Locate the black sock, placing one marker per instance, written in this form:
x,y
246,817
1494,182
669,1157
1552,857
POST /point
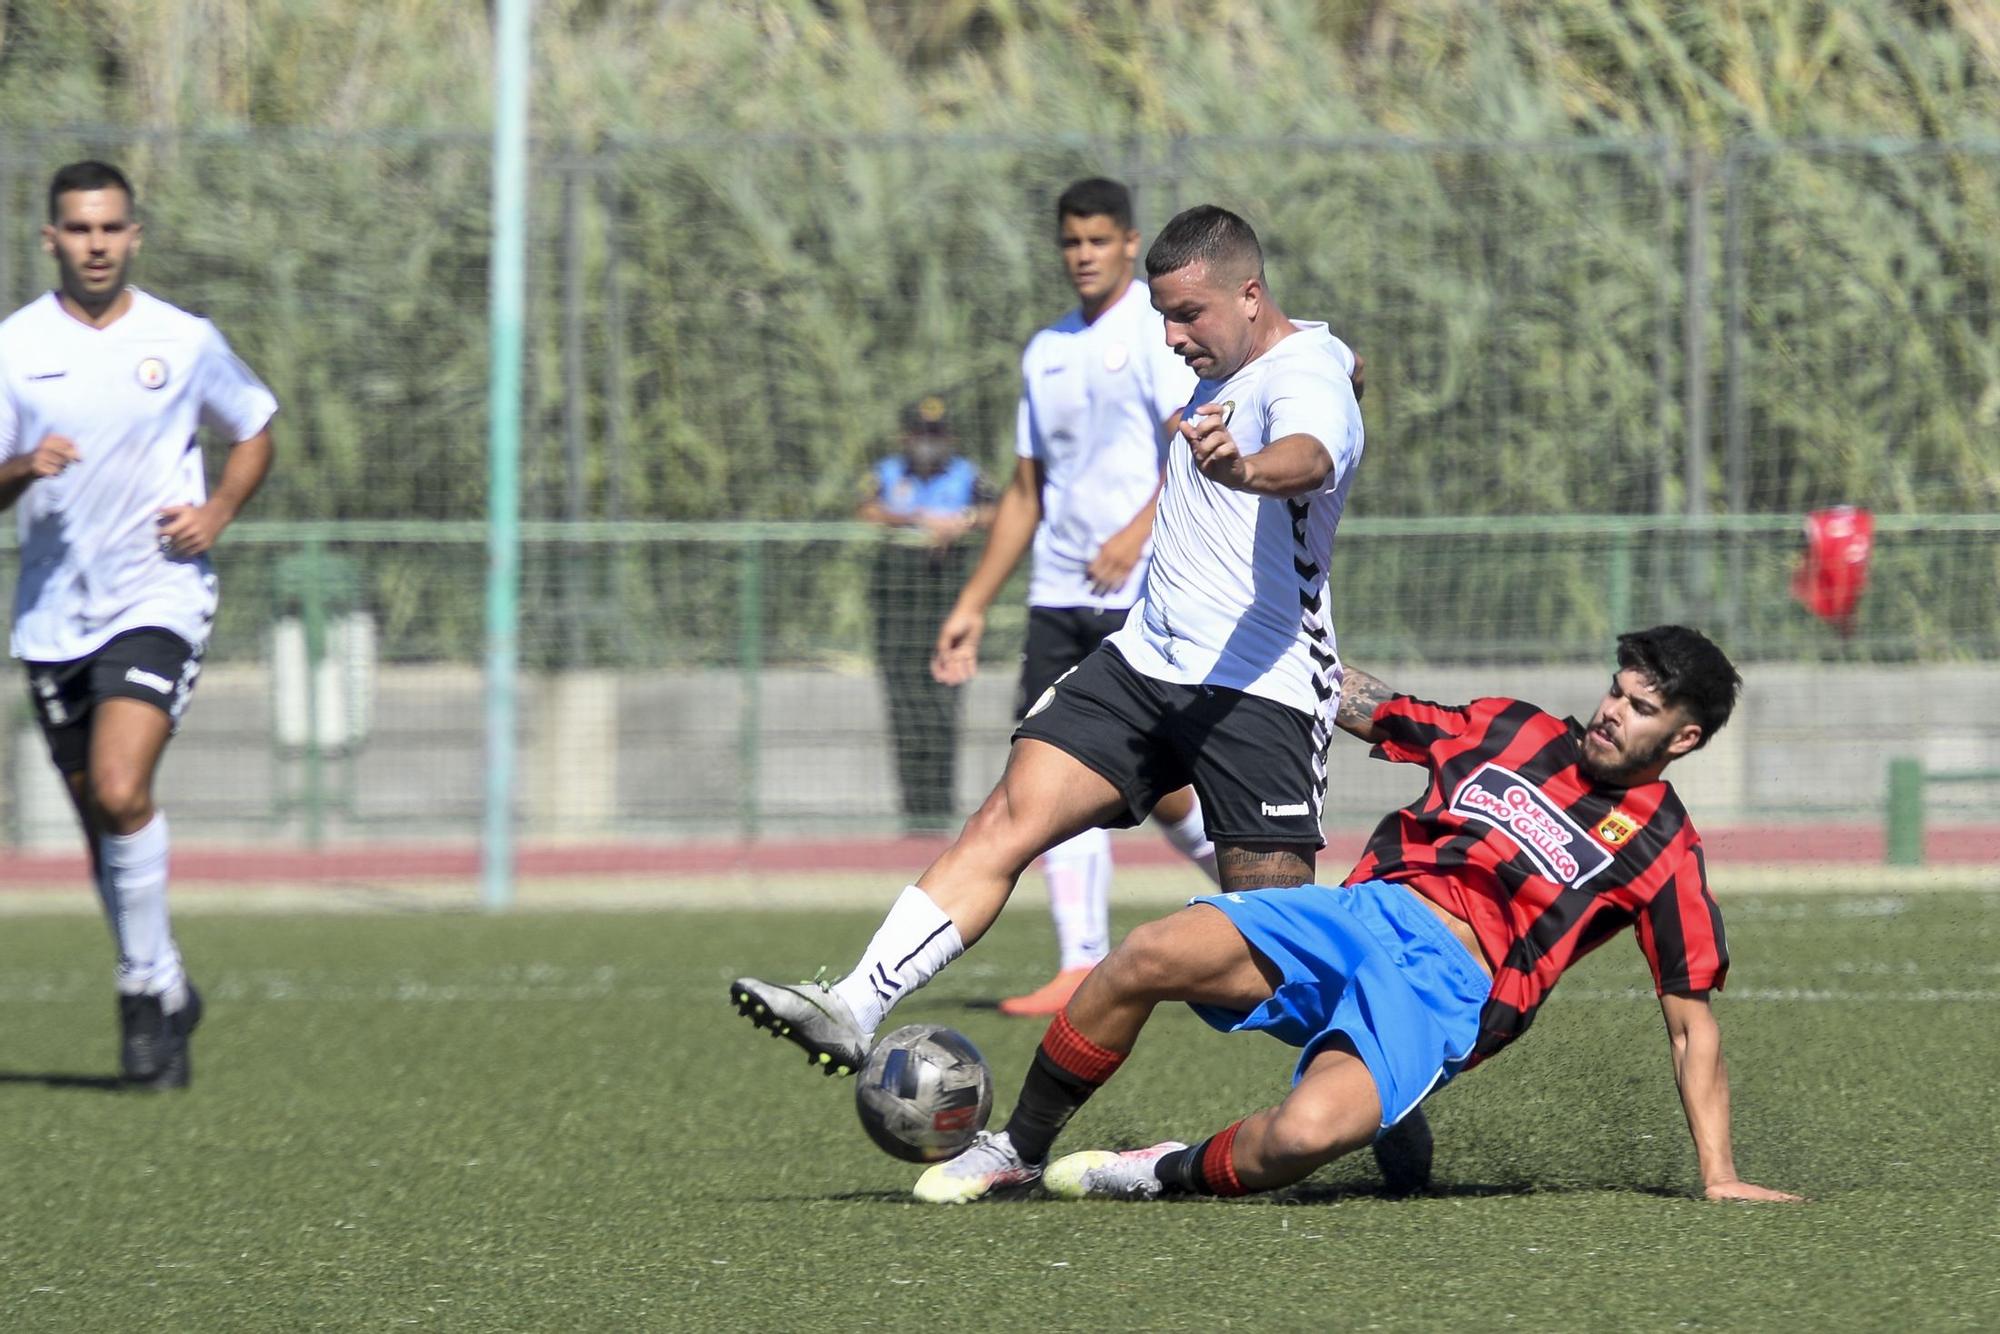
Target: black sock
x,y
1050,1095
1207,1168
1181,1169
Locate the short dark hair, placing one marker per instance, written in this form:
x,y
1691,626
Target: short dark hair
x,y
1096,197
1688,670
88,175
1206,234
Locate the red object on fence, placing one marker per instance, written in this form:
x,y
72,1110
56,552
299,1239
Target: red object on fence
x,y
1833,573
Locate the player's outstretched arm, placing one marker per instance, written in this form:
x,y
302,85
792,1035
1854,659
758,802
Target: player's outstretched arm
x,y
1360,695
955,658
1695,1040
189,530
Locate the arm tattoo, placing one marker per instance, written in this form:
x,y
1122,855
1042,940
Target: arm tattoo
x,y
1263,867
1360,695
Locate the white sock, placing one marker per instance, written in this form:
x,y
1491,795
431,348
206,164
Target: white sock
x,y
1189,835
134,888
1079,876
913,942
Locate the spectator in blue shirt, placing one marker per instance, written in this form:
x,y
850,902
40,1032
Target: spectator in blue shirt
x,y
928,487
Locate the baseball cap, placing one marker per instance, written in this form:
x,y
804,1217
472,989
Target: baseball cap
x,y
929,415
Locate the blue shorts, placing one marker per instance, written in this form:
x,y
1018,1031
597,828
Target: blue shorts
x,y
1371,962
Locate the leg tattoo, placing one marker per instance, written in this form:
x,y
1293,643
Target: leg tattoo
x,y
1263,866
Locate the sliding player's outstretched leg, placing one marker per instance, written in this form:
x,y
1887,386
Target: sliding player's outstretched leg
x,y
1193,955
1331,1111
1107,1174
1044,797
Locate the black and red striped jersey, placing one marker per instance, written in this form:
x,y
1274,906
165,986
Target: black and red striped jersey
x,y
1545,862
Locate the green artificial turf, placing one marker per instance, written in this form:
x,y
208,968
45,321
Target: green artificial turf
x,y
556,1122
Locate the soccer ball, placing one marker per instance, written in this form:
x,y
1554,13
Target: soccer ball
x,y
924,1092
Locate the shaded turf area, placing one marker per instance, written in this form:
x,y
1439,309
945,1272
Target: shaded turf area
x,y
556,1122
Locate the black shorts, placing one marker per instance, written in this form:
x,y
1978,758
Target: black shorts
x,y
1058,639
153,665
1251,760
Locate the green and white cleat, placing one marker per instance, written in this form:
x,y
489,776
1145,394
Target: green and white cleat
x,y
1099,1174
990,1164
810,1015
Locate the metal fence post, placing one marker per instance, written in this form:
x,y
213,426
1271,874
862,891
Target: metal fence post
x,y
1618,601
7,178
576,401
503,401
1694,332
1736,462
750,662
1663,332
1176,155
312,611
1904,840
622,569
1660,545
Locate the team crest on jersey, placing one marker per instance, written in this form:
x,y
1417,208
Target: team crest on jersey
x,y
152,373
1228,406
1115,357
1544,832
1616,829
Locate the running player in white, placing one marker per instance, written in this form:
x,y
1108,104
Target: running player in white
x,y
1224,675
102,390
1097,390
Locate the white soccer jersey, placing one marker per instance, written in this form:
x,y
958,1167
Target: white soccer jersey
x,y
131,397
1092,400
1237,593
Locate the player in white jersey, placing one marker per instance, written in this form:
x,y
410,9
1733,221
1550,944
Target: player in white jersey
x,y
1097,390
102,390
1231,673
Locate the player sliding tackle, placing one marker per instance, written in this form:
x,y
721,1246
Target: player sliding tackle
x,y
1536,840
1222,676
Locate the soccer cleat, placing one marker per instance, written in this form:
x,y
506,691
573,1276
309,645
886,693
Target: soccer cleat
x,y
1099,1174
810,1015
153,1045
1050,997
1404,1155
990,1164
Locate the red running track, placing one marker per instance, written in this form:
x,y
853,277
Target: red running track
x,y
1773,844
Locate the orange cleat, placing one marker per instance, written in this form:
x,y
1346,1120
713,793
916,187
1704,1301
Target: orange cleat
x,y
1050,997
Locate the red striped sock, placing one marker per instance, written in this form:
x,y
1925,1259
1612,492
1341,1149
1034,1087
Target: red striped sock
x,y
1076,1055
1067,1069
1218,1170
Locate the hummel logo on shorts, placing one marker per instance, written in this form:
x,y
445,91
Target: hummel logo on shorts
x,y
1295,808
141,677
